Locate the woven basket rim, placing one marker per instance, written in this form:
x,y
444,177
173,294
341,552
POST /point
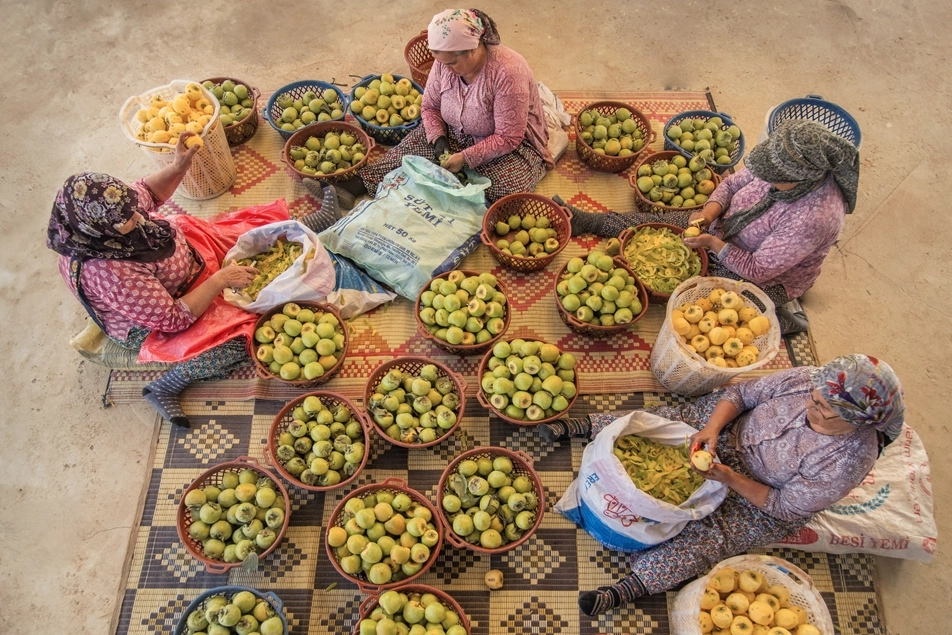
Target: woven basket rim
x,y
266,373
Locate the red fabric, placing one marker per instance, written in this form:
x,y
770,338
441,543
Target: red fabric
x,y
221,321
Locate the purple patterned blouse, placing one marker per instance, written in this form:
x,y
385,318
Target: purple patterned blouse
x,y
789,242
125,293
806,471
499,110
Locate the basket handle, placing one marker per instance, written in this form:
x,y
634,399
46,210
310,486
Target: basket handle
x,y
217,569
454,539
651,138
364,608
275,600
625,235
373,590
260,372
250,460
726,117
460,380
484,237
393,481
566,211
364,78
268,456
481,398
788,567
813,96
525,457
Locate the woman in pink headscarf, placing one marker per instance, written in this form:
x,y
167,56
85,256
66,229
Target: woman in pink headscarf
x,y
481,104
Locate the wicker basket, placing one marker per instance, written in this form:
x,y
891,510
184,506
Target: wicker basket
x,y
213,476
682,372
459,349
264,372
370,604
604,162
240,131
419,58
814,108
389,136
645,203
229,591
273,111
560,219
284,418
592,330
736,155
522,466
803,593
413,365
213,169
320,130
394,486
625,236
483,399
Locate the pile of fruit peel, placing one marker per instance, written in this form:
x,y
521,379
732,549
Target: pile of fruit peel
x,y
660,259
661,471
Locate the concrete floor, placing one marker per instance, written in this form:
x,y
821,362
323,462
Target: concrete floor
x,y
74,471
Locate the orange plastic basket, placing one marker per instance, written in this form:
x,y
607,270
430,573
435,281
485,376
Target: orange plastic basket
x,y
413,365
560,219
592,330
213,476
265,373
646,203
320,130
240,131
394,486
459,349
370,604
604,162
483,399
522,466
419,58
625,236
284,418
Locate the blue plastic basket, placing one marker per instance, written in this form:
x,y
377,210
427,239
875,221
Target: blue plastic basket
x,y
182,627
385,136
814,108
705,115
273,112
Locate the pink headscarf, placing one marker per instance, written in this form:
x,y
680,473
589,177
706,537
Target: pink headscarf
x,y
455,30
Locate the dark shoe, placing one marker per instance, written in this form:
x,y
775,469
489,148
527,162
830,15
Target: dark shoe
x,y
563,429
792,322
596,602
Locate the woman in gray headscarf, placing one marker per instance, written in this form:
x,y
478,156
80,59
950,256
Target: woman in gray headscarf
x,y
774,221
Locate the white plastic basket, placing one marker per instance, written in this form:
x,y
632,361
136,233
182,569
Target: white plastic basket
x,y
681,371
213,168
803,593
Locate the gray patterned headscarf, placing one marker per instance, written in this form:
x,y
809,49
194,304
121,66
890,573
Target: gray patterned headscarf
x,y
801,152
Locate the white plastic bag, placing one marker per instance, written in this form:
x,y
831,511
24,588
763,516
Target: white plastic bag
x,y
556,118
422,223
309,278
888,514
604,502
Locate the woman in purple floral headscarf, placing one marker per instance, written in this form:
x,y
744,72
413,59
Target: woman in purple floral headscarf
x,y
790,445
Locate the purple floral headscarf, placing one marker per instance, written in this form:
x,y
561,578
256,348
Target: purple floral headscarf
x,y
863,391
89,208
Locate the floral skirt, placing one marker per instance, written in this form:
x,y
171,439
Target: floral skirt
x,y
216,363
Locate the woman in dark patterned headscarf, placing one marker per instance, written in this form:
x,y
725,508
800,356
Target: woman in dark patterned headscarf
x,y
135,273
774,221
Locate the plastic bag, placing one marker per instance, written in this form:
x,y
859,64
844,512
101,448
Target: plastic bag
x,y
605,502
422,223
888,514
355,292
309,278
556,118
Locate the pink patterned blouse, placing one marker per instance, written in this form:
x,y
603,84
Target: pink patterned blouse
x,y
806,471
125,294
499,110
789,242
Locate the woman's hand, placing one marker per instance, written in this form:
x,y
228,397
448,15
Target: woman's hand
x,y
705,241
706,438
707,215
440,146
718,472
455,163
184,155
235,276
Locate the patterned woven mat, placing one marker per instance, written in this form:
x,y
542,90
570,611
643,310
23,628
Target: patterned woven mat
x,y
231,419
611,365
